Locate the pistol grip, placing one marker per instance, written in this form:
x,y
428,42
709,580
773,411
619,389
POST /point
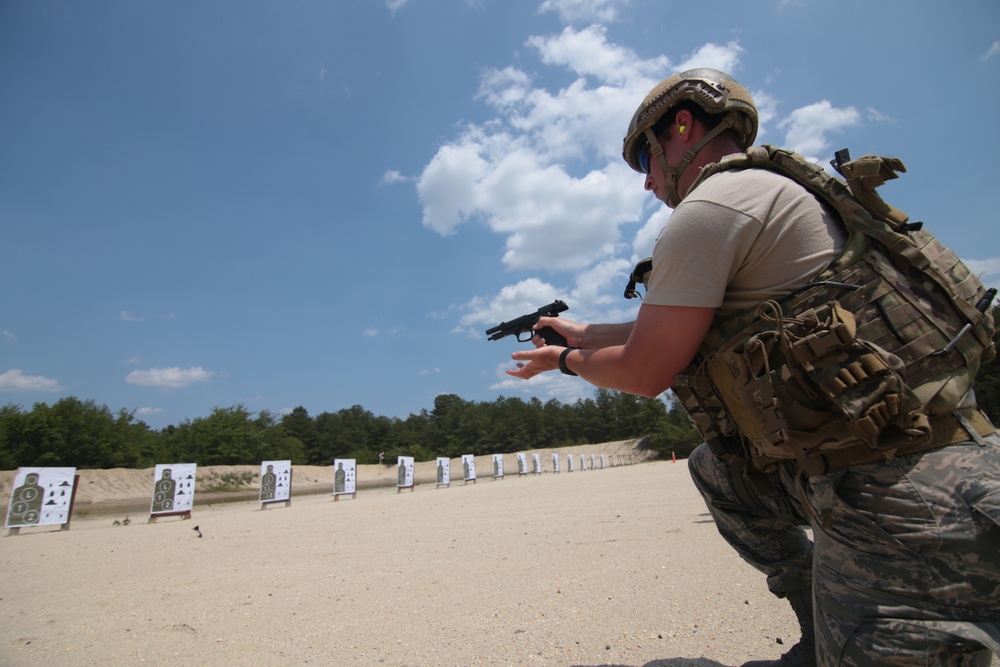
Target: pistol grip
x,y
551,336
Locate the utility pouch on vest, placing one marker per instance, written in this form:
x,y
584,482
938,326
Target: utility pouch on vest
x,y
803,384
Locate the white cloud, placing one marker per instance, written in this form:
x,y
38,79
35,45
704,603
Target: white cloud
x,y
393,176
645,239
504,88
447,185
807,127
145,412
716,56
169,378
564,388
16,380
514,172
517,173
587,52
988,271
555,221
767,111
371,332
592,286
395,5
584,10
984,267
991,52
877,116
8,335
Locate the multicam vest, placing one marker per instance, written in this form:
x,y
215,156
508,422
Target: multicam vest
x,y
874,358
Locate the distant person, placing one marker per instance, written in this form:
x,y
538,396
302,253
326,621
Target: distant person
x,y
831,383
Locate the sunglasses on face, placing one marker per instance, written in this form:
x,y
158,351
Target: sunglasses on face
x,y
644,157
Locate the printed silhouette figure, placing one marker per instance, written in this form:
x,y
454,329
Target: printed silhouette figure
x,y
340,479
268,484
26,507
163,492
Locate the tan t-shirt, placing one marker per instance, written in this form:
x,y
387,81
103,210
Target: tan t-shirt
x,y
739,238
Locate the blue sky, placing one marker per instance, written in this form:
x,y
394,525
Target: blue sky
x,y
324,204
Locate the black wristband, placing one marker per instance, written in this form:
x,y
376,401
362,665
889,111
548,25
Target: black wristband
x,y
562,361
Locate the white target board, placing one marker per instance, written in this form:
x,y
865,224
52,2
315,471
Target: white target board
x,y
592,459
404,472
583,463
536,464
443,471
275,481
555,463
468,467
604,462
344,476
497,465
173,488
522,464
40,497
569,463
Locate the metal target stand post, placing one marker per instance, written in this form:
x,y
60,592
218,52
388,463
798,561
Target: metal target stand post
x,y
184,514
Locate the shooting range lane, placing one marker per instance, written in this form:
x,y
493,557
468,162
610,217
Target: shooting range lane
x,y
618,566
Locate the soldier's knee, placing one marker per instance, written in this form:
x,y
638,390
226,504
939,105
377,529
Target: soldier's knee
x,y
706,470
699,458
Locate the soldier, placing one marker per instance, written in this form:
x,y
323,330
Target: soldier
x,y
755,283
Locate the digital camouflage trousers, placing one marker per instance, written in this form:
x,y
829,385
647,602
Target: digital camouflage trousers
x,y
904,560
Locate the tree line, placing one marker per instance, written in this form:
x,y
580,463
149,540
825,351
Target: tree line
x,y
83,434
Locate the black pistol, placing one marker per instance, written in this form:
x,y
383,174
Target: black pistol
x,y
524,323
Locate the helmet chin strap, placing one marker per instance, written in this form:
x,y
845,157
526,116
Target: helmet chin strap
x,y
672,175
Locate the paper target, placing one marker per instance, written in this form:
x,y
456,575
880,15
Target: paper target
x,y
40,497
173,488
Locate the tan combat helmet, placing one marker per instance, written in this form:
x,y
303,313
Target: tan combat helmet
x,y
714,91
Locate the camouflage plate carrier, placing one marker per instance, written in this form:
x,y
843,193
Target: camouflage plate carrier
x,y
874,359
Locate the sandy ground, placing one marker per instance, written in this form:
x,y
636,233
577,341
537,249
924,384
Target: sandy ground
x,y
614,567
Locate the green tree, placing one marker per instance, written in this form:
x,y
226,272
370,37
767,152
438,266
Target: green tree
x,y
673,433
299,425
12,423
229,436
83,434
345,431
449,417
73,433
589,422
559,424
